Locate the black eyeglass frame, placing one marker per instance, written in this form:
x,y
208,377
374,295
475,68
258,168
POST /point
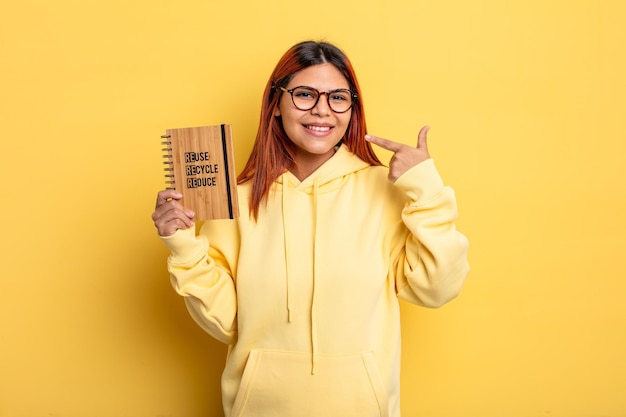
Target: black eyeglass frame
x,y
353,95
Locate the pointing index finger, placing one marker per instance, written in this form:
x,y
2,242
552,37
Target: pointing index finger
x,y
384,143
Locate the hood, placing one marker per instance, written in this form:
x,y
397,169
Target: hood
x,y
329,176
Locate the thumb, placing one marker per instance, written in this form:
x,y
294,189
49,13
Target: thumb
x,y
422,142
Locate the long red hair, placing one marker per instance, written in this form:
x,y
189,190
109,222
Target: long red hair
x,y
273,152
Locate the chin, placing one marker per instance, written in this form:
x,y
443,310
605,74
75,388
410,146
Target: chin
x,y
321,151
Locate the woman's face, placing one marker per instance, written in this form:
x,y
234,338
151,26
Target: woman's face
x,y
315,132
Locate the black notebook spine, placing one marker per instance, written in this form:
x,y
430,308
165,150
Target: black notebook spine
x,y
226,152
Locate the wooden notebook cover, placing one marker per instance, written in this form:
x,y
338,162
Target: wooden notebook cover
x,y
201,166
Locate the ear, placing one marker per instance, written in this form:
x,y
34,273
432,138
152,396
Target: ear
x,y
276,112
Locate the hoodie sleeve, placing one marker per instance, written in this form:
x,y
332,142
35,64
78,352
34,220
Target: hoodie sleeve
x,y
201,275
433,266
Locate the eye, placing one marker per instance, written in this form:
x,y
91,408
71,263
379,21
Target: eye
x,y
304,94
339,95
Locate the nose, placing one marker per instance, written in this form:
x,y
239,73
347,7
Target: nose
x,y
322,107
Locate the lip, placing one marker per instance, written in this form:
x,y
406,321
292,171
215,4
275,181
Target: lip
x,y
319,129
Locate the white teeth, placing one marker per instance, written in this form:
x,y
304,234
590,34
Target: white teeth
x,y
319,128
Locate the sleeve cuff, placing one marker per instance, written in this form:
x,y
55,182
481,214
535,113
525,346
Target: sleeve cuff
x,y
185,246
421,182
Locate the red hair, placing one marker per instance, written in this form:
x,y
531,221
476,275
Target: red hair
x,y
273,152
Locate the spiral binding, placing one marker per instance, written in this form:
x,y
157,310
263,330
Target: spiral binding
x,y
169,169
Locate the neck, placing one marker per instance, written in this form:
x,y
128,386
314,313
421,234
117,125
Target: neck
x,y
306,164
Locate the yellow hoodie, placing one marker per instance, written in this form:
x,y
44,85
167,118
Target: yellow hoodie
x,y
307,297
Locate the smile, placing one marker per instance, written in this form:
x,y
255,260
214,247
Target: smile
x,y
319,128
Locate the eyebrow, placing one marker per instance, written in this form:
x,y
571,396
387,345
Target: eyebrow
x,y
317,89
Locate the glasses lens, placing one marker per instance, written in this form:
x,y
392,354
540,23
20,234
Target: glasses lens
x,y
304,98
340,100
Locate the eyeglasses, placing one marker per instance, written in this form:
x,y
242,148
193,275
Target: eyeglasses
x,y
305,98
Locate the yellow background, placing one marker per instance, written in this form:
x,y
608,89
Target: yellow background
x,y
525,100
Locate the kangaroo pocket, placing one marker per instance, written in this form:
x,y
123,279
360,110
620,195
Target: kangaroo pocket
x,y
276,383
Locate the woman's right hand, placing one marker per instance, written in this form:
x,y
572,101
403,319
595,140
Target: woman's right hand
x,y
169,214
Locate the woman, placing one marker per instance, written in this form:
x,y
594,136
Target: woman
x,y
304,286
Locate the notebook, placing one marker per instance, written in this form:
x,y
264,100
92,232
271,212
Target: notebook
x,y
199,163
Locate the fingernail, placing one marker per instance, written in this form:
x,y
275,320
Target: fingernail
x,y
367,137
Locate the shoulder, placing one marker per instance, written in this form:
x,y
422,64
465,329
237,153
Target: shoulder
x,y
376,175
374,181
243,191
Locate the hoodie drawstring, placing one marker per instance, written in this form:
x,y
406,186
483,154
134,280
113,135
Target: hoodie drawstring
x,y
314,350
288,269
287,246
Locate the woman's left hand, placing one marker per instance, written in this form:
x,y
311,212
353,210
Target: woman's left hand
x,y
404,156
